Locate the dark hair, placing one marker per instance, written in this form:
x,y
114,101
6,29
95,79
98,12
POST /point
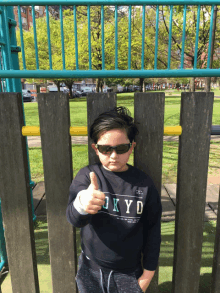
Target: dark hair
x,y
117,118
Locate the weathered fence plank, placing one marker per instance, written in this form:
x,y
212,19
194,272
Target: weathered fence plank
x,y
97,103
16,197
196,119
215,287
57,160
149,112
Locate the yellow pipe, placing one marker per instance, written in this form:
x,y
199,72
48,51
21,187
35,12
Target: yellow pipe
x,y
82,131
78,131
31,131
172,130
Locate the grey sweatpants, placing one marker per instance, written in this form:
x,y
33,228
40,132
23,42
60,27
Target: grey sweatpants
x,y
90,280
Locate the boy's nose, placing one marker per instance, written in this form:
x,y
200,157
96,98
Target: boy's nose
x,y
113,154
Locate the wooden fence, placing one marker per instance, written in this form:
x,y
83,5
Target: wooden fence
x,y
54,115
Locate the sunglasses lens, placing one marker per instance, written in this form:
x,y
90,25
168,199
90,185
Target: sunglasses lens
x,y
122,149
104,149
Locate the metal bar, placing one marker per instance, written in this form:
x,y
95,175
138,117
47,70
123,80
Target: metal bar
x,y
48,37
215,130
89,38
8,47
62,37
21,36
3,253
129,39
2,42
156,38
210,37
7,38
14,48
116,37
103,38
109,73
82,130
35,37
143,36
109,2
75,32
170,36
183,37
197,37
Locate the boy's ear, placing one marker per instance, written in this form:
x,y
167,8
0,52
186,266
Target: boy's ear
x,y
133,145
95,149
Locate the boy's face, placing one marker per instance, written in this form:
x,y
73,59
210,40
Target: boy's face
x,y
114,162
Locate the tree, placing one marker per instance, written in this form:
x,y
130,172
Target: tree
x,y
191,23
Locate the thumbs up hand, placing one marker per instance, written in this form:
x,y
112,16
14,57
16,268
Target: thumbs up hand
x,y
95,199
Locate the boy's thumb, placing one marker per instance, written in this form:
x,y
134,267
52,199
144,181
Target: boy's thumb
x,y
94,181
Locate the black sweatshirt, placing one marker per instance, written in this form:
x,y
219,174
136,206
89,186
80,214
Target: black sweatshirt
x,y
126,226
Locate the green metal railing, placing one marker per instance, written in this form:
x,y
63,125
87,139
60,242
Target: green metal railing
x,y
8,70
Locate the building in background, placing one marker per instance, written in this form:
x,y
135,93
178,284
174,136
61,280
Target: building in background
x,y
26,15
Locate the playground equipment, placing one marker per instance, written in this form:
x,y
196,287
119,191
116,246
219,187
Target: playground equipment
x,y
195,130
196,115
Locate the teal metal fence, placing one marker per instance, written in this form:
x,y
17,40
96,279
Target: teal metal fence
x,y
204,8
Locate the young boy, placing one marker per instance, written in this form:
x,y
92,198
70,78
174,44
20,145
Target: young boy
x,y
118,210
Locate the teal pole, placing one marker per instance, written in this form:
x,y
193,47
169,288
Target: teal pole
x,y
197,37
3,253
17,84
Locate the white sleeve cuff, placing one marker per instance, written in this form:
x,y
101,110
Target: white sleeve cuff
x,y
78,205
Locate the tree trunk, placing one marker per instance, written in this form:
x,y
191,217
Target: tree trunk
x,y
70,91
38,88
207,84
141,84
144,89
97,84
101,85
192,84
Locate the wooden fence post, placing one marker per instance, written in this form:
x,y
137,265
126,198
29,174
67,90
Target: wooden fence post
x,y
97,103
16,197
215,287
195,119
149,112
57,160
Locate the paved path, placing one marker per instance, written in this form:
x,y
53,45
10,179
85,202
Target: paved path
x,y
35,141
168,197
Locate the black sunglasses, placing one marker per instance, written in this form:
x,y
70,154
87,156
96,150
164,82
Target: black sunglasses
x,y
107,149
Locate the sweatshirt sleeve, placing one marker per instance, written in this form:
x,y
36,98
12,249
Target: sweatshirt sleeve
x,y
152,230
80,182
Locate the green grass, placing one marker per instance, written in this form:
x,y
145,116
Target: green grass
x,y
79,160
166,258
78,110
170,159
